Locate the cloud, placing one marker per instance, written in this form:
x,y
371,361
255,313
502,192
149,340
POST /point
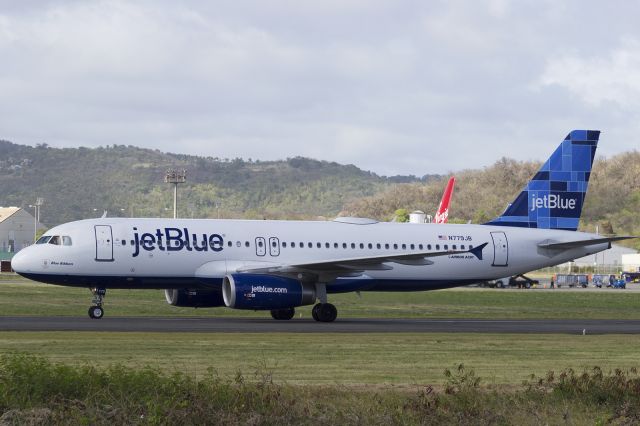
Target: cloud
x,y
613,79
409,87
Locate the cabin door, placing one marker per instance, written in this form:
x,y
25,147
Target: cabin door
x,y
104,243
500,249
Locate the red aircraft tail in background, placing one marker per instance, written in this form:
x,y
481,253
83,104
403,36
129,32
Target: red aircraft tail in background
x,y
443,209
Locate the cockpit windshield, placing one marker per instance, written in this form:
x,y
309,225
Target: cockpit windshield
x,y
44,239
56,240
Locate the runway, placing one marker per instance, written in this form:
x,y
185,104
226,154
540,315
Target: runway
x,y
347,325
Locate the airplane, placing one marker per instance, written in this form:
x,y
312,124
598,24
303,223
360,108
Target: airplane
x,y
278,266
442,215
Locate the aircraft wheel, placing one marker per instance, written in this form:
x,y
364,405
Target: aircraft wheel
x,y
314,311
96,312
325,312
283,314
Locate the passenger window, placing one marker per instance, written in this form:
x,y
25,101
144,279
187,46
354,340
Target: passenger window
x,y
55,240
284,244
318,245
386,246
335,245
413,247
344,245
462,247
361,245
378,246
437,246
404,247
420,246
246,244
428,246
395,247
230,244
310,245
293,245
44,239
353,245
124,242
370,245
238,244
453,247
446,247
326,245
66,241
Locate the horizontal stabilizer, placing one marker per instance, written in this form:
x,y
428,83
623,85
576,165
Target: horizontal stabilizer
x,y
580,243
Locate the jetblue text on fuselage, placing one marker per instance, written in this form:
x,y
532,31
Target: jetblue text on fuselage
x,y
175,239
552,201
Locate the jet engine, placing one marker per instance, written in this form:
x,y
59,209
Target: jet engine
x,y
194,298
264,292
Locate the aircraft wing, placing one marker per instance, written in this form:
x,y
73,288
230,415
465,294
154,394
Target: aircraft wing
x,y
358,265
547,244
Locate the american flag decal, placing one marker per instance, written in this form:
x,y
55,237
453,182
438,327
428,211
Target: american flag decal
x,y
442,237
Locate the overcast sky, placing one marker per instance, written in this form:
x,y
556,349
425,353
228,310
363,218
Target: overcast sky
x,y
396,87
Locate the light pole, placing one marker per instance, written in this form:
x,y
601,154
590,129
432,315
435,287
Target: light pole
x,y
36,216
175,177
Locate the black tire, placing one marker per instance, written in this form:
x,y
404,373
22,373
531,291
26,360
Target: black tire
x,y
314,311
327,312
283,314
96,312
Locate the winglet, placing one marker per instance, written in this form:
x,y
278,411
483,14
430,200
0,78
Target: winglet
x,y
477,251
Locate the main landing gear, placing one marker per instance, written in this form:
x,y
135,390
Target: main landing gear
x,y
283,314
96,311
324,312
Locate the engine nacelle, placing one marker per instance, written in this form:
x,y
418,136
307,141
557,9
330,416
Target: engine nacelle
x,y
194,298
262,292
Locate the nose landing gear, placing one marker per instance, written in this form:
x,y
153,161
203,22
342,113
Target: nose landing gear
x,y
96,311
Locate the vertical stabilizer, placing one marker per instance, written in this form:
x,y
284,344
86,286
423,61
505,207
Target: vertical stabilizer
x,y
553,199
442,215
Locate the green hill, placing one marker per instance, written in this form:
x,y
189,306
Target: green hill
x,y
612,204
124,180
128,181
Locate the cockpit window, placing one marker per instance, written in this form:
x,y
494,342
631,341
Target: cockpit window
x,y
55,240
66,240
44,239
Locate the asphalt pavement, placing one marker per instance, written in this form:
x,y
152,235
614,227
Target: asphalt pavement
x,y
346,325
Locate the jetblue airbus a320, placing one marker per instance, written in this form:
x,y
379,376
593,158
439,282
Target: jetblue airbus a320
x,y
280,265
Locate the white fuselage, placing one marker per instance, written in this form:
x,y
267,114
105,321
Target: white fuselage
x,y
155,253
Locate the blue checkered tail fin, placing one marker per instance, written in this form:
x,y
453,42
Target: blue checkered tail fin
x,y
553,198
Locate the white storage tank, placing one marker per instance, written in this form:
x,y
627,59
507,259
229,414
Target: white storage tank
x,y
417,216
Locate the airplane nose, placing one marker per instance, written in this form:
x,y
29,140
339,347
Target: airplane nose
x,y
19,261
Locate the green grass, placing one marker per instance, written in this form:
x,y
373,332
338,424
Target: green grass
x,y
36,391
390,359
23,297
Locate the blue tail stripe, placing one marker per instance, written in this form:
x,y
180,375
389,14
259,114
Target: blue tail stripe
x,y
554,197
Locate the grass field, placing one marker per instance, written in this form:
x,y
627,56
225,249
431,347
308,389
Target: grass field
x,y
381,359
392,359
22,297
